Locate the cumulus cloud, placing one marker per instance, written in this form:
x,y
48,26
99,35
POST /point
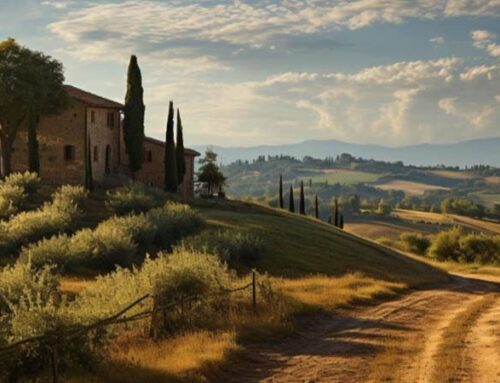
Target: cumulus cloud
x,y
486,40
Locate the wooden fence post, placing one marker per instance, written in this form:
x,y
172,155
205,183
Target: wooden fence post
x,y
254,292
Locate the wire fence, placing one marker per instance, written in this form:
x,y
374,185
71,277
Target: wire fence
x,y
53,338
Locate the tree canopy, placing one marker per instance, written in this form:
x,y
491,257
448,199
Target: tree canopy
x,y
209,172
170,154
31,84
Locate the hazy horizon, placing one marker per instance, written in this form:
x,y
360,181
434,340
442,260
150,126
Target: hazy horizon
x,y
248,73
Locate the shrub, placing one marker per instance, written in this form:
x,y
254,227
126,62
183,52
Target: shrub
x,y
173,276
11,198
134,198
445,245
28,309
415,243
23,278
172,222
480,248
29,182
230,246
51,219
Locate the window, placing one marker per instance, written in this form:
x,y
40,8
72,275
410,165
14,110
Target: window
x,y
92,116
96,154
69,152
148,156
111,119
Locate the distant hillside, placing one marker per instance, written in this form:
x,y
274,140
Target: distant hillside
x,y
474,152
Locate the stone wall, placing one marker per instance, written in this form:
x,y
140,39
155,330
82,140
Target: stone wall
x,y
55,132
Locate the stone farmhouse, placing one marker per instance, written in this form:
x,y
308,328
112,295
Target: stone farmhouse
x,y
63,145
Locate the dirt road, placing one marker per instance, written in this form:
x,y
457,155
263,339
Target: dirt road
x,y
446,334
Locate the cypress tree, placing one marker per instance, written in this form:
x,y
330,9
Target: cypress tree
x,y
89,182
302,204
341,225
336,220
179,150
281,192
316,207
170,155
291,202
133,117
330,219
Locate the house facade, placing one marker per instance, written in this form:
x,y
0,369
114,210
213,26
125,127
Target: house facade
x,y
63,145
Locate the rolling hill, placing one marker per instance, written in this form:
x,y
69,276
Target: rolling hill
x,y
474,152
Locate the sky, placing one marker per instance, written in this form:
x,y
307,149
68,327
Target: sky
x,y
274,72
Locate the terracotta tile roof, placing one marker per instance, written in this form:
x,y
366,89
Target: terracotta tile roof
x,y
155,141
91,99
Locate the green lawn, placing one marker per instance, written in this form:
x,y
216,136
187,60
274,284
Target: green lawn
x,y
342,176
299,246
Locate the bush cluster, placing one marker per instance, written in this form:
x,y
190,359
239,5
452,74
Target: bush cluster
x,y
415,243
230,246
116,241
134,198
28,308
456,245
52,218
14,190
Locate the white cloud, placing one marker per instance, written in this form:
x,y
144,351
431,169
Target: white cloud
x,y
56,4
485,40
98,30
437,40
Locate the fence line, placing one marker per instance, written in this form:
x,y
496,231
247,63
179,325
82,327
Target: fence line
x,y
51,337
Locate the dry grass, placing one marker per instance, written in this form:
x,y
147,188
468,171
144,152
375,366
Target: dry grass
x,y
457,175
411,188
327,293
488,227
73,285
376,229
494,180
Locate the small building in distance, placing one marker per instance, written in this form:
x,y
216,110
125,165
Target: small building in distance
x,y
63,144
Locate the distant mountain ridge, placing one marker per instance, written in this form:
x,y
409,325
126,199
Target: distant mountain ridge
x,y
484,151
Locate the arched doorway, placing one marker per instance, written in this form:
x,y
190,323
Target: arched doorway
x,y
107,163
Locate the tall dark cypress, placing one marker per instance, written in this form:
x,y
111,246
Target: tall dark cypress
x,y
336,220
170,155
302,204
133,117
179,150
316,207
291,202
281,192
341,224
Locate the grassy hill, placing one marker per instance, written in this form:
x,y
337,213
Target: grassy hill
x,y
298,246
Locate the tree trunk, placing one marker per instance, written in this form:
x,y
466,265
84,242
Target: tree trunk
x,y
33,157
6,151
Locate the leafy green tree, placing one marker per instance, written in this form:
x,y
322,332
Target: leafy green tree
x,y
354,203
281,192
302,202
291,202
209,173
31,84
179,150
171,182
133,117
